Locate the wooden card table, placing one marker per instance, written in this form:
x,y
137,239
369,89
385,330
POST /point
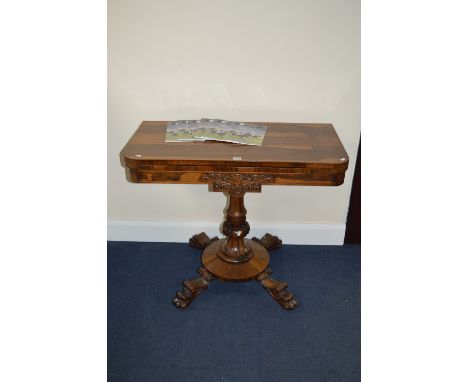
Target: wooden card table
x,y
293,154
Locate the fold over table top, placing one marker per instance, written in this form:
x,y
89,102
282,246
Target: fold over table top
x,y
291,154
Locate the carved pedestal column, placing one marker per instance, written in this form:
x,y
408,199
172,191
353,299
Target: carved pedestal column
x,y
235,258
235,228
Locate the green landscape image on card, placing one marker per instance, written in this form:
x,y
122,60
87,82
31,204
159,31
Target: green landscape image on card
x,y
217,130
236,132
230,136
179,131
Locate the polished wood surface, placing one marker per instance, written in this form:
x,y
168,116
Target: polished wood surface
x,y
310,144
291,154
247,270
304,154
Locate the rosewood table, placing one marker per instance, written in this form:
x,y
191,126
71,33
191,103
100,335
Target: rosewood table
x,y
293,154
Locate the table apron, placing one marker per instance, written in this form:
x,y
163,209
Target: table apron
x,y
322,177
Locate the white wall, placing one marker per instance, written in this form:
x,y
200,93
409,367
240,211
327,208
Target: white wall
x,y
257,60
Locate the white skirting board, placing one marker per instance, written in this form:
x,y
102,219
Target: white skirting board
x,y
180,232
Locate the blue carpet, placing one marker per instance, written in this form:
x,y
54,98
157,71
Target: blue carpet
x,y
233,331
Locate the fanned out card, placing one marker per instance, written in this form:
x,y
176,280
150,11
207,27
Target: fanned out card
x,y
246,133
180,131
216,130
211,129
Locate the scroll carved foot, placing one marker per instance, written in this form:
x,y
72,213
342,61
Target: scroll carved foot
x,y
192,288
277,289
201,240
270,242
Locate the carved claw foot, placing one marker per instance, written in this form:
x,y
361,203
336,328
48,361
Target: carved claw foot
x,y
201,240
277,289
270,242
192,288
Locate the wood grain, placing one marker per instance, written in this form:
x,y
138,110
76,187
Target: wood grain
x,y
302,154
243,271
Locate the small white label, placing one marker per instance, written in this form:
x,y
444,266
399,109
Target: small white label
x,y
138,155
236,158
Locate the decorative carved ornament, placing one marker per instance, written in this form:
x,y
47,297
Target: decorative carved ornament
x,y
278,290
237,184
269,242
192,288
201,240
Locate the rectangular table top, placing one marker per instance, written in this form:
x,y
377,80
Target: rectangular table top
x,y
311,144
310,149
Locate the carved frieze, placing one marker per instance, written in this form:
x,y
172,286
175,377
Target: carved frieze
x,y
237,184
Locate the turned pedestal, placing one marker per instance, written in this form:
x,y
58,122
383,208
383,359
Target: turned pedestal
x,y
235,258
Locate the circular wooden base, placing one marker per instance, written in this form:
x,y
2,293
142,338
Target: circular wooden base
x,y
239,271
